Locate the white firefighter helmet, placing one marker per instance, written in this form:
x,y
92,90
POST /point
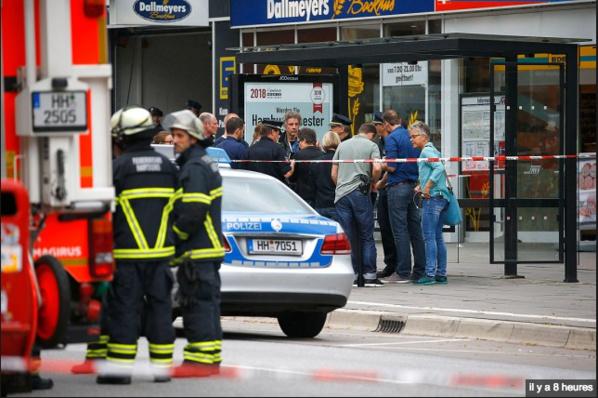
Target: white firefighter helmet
x,y
184,120
131,120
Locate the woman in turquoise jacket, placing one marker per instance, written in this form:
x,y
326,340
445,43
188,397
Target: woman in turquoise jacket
x,y
435,198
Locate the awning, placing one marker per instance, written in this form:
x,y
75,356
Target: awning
x,y
402,49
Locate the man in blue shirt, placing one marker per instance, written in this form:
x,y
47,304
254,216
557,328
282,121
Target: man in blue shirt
x,y
234,144
405,217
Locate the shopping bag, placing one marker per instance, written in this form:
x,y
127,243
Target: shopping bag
x,y
452,215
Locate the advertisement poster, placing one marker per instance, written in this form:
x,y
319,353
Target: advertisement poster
x,y
587,193
475,130
271,100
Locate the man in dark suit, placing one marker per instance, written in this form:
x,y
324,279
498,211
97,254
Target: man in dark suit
x,y
308,151
267,148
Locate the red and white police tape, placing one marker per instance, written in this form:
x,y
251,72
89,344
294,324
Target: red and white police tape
x,y
415,160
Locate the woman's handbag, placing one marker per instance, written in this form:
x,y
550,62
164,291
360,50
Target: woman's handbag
x,y
452,215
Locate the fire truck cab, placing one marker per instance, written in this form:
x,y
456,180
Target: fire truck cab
x,y
55,138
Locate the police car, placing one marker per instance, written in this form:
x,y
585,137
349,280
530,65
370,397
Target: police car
x,y
282,259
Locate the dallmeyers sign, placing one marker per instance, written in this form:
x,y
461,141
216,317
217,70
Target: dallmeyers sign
x,y
246,13
159,12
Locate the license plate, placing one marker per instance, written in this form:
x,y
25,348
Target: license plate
x,y
59,111
275,246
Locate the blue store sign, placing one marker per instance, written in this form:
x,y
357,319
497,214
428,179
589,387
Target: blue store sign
x,y
269,12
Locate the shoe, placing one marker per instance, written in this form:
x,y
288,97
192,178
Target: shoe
x,y
39,383
425,280
192,369
161,375
86,368
113,379
383,274
441,280
415,277
373,283
396,278
161,379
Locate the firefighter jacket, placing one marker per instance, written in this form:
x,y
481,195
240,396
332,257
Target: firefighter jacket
x,y
198,207
145,183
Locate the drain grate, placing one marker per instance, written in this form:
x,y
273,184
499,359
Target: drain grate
x,y
390,325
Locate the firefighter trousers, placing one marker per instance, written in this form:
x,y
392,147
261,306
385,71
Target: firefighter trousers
x,y
199,295
137,285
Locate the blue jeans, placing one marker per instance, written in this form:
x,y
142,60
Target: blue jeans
x,y
405,220
357,207
432,215
329,212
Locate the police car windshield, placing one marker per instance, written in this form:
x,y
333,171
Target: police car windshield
x,y
257,195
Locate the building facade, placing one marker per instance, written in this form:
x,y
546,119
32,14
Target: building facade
x,y
163,64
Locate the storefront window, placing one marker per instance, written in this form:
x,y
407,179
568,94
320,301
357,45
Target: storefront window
x,y
272,38
435,26
405,28
248,42
404,84
315,36
364,80
433,118
361,31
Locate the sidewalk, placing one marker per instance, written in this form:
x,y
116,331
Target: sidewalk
x,y
537,308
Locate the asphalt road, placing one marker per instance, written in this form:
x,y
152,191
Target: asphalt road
x,y
258,360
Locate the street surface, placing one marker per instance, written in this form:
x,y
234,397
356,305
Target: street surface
x,y
258,360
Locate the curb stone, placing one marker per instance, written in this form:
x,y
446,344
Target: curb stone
x,y
483,329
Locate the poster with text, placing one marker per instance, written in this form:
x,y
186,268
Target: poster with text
x,y
587,193
475,130
271,100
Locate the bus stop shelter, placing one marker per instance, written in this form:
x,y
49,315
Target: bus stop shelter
x,y
412,49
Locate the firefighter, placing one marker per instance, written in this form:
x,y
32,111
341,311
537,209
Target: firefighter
x,y
199,249
97,349
145,183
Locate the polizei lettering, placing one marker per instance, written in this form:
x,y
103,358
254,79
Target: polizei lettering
x,y
162,11
279,9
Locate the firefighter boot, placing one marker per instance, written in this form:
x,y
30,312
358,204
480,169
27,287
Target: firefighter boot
x,y
39,383
113,379
85,368
192,369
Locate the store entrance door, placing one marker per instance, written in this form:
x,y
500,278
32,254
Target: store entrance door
x,y
527,190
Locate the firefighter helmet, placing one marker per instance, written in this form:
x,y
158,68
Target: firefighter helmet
x,y
131,120
184,120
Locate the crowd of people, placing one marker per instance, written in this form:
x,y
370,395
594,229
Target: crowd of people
x,y
402,192
410,198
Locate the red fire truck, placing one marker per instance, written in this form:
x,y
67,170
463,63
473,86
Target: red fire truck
x,y
55,139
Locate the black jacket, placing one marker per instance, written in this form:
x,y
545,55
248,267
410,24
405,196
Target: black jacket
x,y
145,183
266,149
301,176
321,182
198,208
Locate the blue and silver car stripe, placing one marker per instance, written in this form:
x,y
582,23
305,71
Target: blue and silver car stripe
x,y
299,225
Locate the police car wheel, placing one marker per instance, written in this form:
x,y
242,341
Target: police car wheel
x,y
302,324
54,313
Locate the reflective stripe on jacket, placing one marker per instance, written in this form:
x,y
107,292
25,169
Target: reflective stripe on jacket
x,y
198,207
145,183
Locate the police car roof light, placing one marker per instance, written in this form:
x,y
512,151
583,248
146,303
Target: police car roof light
x,y
219,155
